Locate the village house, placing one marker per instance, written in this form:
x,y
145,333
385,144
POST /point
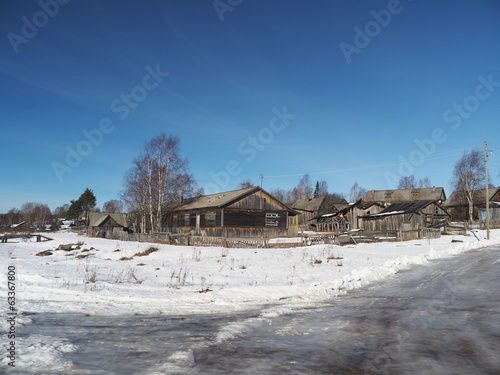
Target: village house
x,y
347,218
458,206
250,212
107,225
420,217
310,208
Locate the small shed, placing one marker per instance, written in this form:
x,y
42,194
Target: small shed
x,y
105,225
250,212
409,216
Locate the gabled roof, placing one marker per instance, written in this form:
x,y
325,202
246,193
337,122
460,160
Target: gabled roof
x,y
406,195
457,198
312,204
341,206
219,200
97,218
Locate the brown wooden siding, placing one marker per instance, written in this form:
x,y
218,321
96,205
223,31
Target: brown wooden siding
x,y
257,201
429,217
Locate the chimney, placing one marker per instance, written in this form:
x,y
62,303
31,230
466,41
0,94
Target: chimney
x,y
181,199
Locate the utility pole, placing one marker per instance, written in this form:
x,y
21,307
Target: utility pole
x,y
487,191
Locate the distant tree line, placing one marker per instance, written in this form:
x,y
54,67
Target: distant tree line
x,y
37,215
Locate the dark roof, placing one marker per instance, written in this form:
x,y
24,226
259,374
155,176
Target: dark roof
x,y
312,204
405,195
341,206
458,198
97,218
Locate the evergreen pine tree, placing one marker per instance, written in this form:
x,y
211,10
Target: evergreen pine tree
x,y
316,190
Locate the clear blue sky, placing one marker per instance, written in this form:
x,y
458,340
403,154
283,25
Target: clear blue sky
x,y
357,84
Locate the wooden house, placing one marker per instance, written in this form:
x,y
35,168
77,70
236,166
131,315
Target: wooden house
x,y
458,206
309,208
385,197
408,216
106,225
250,212
346,218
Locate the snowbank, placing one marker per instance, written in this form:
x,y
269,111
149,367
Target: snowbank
x,y
97,276
104,277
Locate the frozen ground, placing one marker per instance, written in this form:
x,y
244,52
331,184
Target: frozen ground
x,y
186,280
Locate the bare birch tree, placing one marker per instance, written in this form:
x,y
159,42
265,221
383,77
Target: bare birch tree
x,y
410,182
304,189
246,184
158,177
113,206
357,192
468,176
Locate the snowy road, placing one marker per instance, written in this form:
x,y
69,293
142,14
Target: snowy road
x,y
441,318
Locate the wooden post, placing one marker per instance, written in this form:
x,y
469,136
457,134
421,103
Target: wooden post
x,y
487,191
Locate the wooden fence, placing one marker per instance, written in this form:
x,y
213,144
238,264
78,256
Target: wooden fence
x,y
39,237
341,239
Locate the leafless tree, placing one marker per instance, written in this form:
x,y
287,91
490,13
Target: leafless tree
x,y
321,189
410,182
35,213
469,176
357,192
27,210
113,206
281,195
13,216
304,189
246,184
61,211
42,215
425,183
135,196
158,177
407,182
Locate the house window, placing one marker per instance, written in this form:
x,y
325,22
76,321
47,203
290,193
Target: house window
x,y
388,195
272,220
186,220
210,218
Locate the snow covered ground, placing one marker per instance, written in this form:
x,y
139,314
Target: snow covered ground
x,y
109,277
95,279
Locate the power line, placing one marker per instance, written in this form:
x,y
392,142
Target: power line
x,y
442,155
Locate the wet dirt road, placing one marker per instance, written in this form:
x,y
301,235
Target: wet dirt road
x,y
441,318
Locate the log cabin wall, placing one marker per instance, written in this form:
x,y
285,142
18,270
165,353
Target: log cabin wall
x,y
255,215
